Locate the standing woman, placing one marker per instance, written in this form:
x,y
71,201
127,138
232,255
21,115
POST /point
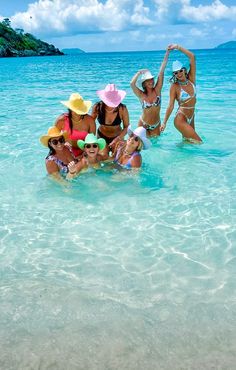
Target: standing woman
x,y
77,122
111,114
150,98
184,91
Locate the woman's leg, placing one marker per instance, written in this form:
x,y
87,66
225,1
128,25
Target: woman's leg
x,y
185,128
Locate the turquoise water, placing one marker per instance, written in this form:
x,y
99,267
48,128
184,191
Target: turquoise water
x,y
116,271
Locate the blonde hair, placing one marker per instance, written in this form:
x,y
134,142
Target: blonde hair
x,y
140,145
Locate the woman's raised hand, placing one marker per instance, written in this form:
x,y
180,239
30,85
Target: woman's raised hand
x,y
172,47
141,71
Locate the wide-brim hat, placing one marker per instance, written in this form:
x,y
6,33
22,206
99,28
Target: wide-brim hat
x,y
53,132
77,104
111,96
92,139
177,65
146,76
141,133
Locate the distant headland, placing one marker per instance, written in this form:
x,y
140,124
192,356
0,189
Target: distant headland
x,y
227,45
73,51
16,43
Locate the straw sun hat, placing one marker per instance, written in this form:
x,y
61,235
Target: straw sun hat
x,y
53,132
77,104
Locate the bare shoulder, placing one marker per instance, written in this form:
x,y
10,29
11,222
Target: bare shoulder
x,y
174,88
136,161
52,167
89,118
60,121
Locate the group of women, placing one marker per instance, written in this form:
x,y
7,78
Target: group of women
x,y
73,145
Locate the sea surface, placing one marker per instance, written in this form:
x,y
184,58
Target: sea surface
x,y
116,271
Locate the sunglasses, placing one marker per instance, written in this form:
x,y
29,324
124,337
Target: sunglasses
x,y
91,145
136,138
61,140
176,72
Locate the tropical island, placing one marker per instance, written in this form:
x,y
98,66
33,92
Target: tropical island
x,y
227,45
16,43
73,51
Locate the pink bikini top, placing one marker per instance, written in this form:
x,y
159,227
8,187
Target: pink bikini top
x,y
74,135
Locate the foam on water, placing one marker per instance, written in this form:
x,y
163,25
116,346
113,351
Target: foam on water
x,y
116,271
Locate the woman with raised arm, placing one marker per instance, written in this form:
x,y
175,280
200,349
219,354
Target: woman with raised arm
x,y
150,98
184,91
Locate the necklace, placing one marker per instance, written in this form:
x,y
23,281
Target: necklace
x,y
183,83
125,152
109,110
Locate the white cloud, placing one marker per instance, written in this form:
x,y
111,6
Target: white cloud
x,y
181,11
205,13
67,17
197,32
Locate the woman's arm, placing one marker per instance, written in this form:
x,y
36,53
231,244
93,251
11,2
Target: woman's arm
x,y
192,60
54,173
170,106
136,161
94,113
160,78
75,167
92,125
138,92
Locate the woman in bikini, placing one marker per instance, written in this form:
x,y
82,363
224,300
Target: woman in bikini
x,y
60,153
184,91
111,114
77,122
127,153
150,97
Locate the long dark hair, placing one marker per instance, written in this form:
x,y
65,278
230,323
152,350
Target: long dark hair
x,y
144,87
70,119
51,150
101,107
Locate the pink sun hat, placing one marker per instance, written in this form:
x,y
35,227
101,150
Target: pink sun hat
x,y
111,96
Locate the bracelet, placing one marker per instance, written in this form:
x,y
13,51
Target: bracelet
x,y
72,173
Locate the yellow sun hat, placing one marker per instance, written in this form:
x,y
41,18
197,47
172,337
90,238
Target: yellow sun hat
x,y
52,132
77,104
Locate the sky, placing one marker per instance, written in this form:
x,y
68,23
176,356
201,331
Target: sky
x,y
124,25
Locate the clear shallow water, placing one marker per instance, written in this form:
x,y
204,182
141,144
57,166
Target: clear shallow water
x,y
117,271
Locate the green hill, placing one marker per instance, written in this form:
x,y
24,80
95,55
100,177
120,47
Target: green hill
x,y
73,51
227,45
16,43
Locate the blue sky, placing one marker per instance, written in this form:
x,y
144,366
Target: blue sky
x,y
116,25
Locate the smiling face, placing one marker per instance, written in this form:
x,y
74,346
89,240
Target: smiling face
x,y
91,150
148,83
180,74
57,143
133,143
